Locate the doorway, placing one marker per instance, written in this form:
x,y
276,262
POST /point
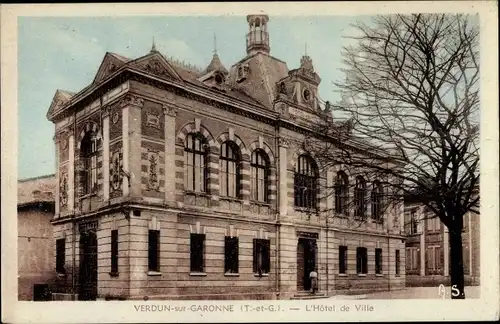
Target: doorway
x,y
306,262
88,266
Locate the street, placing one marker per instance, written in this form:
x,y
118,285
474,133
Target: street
x,y
413,293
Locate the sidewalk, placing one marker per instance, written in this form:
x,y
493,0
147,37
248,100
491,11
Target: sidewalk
x,y
412,293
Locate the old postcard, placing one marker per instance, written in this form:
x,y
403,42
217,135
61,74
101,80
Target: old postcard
x,y
228,162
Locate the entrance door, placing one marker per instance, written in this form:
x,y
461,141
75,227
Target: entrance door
x,y
306,262
88,266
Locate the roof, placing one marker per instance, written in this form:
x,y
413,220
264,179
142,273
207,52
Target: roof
x,y
215,65
36,190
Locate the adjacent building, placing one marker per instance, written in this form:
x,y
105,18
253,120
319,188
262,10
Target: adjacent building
x,y
427,248
181,183
36,249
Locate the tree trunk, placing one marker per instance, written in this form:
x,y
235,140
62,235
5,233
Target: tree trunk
x,y
457,266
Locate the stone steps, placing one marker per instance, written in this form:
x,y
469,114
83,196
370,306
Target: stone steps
x,y
307,295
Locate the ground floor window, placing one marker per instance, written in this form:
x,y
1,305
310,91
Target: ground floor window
x,y
114,251
153,250
361,260
378,261
60,255
412,259
197,252
342,259
231,255
397,262
261,256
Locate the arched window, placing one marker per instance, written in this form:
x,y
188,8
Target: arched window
x,y
305,182
196,163
341,193
88,155
230,170
376,198
359,198
260,173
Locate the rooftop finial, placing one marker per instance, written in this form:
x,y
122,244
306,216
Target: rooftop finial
x,y
305,49
153,47
215,44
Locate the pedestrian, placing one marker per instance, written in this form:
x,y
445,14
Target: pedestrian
x,y
313,276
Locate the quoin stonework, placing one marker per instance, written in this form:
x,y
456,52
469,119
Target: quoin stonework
x,y
180,183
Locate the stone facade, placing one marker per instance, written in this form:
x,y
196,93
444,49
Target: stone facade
x,y
141,114
36,248
425,232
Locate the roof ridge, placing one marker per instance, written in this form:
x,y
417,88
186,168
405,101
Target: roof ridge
x,y
182,64
37,177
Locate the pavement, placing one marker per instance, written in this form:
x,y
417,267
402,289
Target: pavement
x,y
413,293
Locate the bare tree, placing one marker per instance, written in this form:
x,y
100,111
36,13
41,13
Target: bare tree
x,y
410,99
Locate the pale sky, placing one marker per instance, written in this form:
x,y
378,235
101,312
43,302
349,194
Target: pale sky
x,y
65,53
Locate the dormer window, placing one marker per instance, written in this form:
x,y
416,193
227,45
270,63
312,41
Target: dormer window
x,y
307,95
219,79
243,71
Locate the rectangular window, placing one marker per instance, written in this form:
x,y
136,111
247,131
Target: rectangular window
x,y
361,260
397,262
342,259
378,261
114,251
153,250
413,223
197,252
261,256
408,259
437,257
231,255
60,255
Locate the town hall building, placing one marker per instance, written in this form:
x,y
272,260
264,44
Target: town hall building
x,y
176,183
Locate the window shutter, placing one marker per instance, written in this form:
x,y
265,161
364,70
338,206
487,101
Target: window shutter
x,y
235,255
255,256
114,251
266,256
227,253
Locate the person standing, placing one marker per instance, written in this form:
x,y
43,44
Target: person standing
x,y
313,276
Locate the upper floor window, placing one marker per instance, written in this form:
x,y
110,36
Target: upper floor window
x,y
341,193
305,182
230,170
413,222
376,198
88,154
359,198
260,173
196,163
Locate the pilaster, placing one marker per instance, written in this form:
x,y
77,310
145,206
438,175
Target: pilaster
x,y
283,192
170,114
58,185
105,153
71,171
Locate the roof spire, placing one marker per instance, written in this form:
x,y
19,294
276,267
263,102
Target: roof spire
x,y
153,47
305,49
215,44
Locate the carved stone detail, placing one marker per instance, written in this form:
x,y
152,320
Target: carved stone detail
x,y
155,67
283,142
63,189
152,120
170,111
130,100
153,170
115,174
105,111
